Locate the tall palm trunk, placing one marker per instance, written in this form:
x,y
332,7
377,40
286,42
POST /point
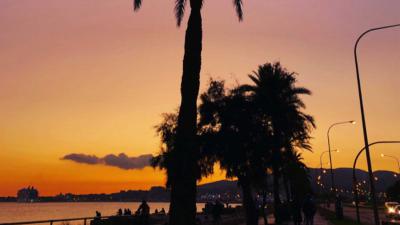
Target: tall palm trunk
x,y
286,185
276,162
249,203
277,198
183,186
264,207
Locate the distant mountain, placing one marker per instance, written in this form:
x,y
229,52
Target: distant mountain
x,y
222,186
344,178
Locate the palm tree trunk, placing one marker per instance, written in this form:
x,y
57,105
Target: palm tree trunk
x,y
264,207
277,199
287,191
249,203
183,183
276,163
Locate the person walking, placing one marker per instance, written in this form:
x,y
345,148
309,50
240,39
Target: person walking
x,y
143,212
309,210
297,217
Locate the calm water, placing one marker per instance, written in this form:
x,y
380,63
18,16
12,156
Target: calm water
x,y
14,212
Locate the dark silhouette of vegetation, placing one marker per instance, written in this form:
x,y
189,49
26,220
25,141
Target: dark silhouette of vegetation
x,y
393,192
278,99
242,147
251,131
186,169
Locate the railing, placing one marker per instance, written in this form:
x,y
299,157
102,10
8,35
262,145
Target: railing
x,y
85,219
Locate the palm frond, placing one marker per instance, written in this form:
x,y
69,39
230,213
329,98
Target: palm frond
x,y
137,4
179,11
238,6
255,78
302,91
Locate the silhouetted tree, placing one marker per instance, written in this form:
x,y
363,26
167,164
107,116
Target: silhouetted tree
x,y
183,183
278,99
393,191
249,129
167,158
240,146
298,176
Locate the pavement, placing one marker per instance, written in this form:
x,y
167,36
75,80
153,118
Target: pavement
x,y
366,214
318,220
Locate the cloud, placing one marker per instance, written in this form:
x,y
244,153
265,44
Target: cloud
x,y
124,162
82,158
121,161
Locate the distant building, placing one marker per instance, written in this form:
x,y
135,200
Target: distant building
x,y
29,194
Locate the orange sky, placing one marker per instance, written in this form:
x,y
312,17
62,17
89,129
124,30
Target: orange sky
x,y
92,77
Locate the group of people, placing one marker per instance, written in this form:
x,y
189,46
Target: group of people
x,y
308,207
126,212
143,213
215,210
161,212
143,210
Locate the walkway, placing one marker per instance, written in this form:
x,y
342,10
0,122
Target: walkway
x,y
366,214
318,220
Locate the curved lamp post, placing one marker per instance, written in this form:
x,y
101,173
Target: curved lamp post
x,y
322,154
395,158
329,150
320,161
355,178
376,215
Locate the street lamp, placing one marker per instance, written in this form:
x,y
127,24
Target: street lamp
x,y
371,180
322,154
320,161
329,149
364,126
393,157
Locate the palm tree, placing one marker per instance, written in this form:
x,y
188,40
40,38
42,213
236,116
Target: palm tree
x,y
168,159
298,176
278,98
240,145
183,188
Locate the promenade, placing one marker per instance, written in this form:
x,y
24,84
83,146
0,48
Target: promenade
x,y
366,214
318,220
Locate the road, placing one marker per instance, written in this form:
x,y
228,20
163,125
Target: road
x,y
366,214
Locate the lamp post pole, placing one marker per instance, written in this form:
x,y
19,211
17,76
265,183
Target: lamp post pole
x,y
320,159
395,158
329,150
320,162
371,178
354,174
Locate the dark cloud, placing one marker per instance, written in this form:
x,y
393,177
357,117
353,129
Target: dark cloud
x,y
121,161
124,162
82,158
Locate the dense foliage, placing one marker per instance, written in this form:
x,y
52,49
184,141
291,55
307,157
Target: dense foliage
x,y
254,131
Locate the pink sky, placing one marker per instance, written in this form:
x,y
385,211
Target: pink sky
x,y
93,77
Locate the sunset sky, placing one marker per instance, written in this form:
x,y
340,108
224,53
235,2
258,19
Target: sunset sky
x,y
92,77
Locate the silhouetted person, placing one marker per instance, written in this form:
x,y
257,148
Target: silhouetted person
x,y
339,207
98,215
127,212
297,217
162,211
217,211
119,212
309,210
143,212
